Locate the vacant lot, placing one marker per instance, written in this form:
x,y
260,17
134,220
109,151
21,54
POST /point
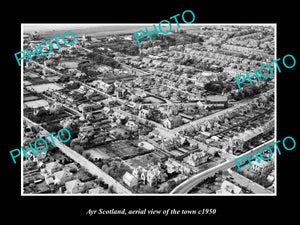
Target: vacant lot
x,y
143,160
123,149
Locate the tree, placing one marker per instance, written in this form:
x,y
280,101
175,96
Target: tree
x,y
53,127
79,149
146,189
165,188
42,113
64,78
104,167
35,129
111,189
74,142
86,155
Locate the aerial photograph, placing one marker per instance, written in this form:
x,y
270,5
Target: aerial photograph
x,y
163,115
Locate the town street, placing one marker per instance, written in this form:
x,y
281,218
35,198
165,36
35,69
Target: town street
x,y
193,181
92,168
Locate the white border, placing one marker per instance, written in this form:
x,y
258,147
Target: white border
x,y
146,24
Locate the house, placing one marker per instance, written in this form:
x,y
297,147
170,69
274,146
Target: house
x,y
171,167
130,180
49,180
118,117
82,89
140,174
120,92
197,158
37,104
53,167
70,166
39,156
107,110
74,187
155,175
144,113
172,122
132,126
61,177
229,188
262,167
271,177
151,175
85,107
218,101
146,145
97,190
107,88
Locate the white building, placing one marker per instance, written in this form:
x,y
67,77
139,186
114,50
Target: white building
x,y
229,188
130,180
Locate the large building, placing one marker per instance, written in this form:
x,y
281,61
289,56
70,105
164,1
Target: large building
x,y
262,167
218,101
130,180
197,158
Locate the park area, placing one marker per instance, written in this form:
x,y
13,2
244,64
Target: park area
x,y
143,160
123,149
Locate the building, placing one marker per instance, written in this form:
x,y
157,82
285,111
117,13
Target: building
x,y
120,92
117,117
37,104
144,113
74,187
172,122
152,175
85,107
229,188
140,174
63,176
155,175
171,167
197,158
86,37
218,101
175,166
107,88
146,145
97,190
130,180
53,167
49,180
263,166
132,126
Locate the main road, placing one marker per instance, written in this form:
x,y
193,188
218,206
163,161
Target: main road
x,y
193,181
92,168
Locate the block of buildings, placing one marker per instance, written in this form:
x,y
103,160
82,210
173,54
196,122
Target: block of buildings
x,y
218,101
262,167
197,158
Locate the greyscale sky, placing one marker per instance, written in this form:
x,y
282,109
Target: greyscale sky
x,y
48,26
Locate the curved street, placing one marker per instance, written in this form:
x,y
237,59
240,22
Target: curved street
x,y
193,181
